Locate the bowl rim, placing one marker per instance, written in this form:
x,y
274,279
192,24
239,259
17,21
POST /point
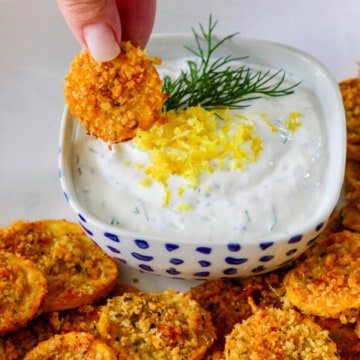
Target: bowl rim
x,y
69,126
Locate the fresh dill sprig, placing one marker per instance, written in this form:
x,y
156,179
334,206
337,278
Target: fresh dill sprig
x,y
214,82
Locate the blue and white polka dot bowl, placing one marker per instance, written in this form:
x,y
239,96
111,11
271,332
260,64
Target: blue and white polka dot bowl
x,y
224,258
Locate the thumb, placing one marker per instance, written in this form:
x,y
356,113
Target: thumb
x,y
95,24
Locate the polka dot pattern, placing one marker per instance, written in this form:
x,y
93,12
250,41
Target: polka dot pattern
x,y
182,260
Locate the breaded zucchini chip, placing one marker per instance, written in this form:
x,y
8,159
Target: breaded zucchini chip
x,y
83,318
350,91
273,333
77,271
22,291
73,345
160,325
350,214
14,345
326,282
113,99
227,304
352,175
344,336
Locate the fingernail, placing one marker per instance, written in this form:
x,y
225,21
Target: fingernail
x,y
101,42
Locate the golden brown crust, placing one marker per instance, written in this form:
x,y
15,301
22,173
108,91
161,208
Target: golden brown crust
x,y
326,282
216,355
83,318
166,325
344,336
77,271
113,99
352,175
350,217
227,304
350,90
229,301
14,345
273,333
73,345
357,330
22,291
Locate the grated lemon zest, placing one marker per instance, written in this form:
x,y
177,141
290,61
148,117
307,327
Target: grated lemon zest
x,y
269,123
145,182
195,140
292,123
207,188
184,207
138,166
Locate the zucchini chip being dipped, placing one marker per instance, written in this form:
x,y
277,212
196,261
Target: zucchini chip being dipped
x,y
113,99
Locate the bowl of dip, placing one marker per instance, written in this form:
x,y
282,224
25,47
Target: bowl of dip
x,y
232,223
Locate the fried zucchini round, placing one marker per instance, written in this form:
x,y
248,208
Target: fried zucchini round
x,y
83,318
77,271
350,217
22,291
159,325
352,175
73,345
273,333
227,304
344,336
327,281
113,99
16,344
350,91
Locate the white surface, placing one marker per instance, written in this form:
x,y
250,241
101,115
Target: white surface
x,y
36,48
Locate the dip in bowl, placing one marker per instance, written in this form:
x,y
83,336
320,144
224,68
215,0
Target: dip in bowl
x,y
235,220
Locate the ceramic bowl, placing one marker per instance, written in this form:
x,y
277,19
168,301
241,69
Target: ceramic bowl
x,y
172,256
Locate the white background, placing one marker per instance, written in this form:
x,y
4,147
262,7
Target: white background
x,y
36,49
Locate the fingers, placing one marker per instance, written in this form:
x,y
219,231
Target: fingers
x,y
95,24
137,20
98,26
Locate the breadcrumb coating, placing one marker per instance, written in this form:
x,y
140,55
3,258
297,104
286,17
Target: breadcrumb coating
x,y
71,346
161,325
326,281
14,345
22,290
350,91
227,304
77,271
344,336
273,333
113,99
83,318
350,217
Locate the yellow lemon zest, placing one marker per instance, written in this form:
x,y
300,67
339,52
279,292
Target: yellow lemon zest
x,y
145,181
207,188
181,190
269,123
184,207
292,123
196,140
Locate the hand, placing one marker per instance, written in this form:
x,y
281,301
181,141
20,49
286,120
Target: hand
x,y
99,25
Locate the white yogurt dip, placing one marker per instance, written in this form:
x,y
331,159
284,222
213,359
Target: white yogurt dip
x,y
274,195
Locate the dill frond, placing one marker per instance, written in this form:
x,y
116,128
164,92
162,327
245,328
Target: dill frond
x,y
214,82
